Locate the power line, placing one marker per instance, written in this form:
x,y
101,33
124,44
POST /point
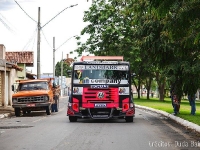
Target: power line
x,y
25,12
31,39
58,14
4,23
65,42
33,42
46,39
3,17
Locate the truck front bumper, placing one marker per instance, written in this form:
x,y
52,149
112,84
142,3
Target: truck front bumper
x,y
113,113
25,105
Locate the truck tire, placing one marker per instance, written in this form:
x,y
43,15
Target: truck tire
x,y
129,119
72,118
17,112
48,110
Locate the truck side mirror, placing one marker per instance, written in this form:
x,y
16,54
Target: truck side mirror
x,y
13,88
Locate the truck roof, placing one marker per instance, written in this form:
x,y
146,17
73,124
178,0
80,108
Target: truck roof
x,y
111,60
35,80
83,58
102,62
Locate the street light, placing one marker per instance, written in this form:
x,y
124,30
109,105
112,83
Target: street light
x,y
38,42
54,50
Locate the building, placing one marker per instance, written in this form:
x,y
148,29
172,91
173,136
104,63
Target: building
x,y
12,67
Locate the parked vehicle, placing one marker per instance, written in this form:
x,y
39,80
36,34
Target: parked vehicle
x,y
101,89
35,95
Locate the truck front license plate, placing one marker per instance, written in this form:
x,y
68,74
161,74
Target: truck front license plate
x,y
100,105
30,105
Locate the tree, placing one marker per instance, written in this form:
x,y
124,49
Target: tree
x,y
181,26
159,38
65,68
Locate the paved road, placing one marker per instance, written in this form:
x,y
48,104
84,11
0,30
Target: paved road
x,y
149,131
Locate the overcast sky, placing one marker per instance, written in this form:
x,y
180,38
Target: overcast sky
x,y
18,28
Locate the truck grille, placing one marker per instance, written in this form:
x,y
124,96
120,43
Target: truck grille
x,y
92,94
31,99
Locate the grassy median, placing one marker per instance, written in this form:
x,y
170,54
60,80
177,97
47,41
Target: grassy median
x,y
166,105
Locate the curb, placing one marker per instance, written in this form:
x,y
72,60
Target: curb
x,y
179,120
6,115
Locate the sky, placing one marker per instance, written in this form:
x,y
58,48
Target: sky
x,y
18,28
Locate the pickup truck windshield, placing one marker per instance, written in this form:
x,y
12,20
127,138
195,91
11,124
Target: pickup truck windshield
x,y
33,86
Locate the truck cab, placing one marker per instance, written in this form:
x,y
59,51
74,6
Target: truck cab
x,y
101,89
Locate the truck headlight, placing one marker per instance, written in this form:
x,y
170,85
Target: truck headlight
x,y
46,98
14,100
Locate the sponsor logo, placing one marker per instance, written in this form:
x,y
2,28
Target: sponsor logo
x,y
76,90
105,81
86,80
100,95
122,90
99,86
102,67
100,105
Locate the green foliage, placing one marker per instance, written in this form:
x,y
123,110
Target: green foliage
x,y
166,105
65,68
160,38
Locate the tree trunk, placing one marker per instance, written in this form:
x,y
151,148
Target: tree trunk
x,y
148,86
161,85
137,87
162,92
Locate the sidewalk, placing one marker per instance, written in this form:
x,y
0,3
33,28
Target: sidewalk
x,y
6,112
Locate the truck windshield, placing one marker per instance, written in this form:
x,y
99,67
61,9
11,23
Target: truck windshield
x,y
107,73
33,86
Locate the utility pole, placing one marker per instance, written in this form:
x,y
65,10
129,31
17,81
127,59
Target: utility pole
x,y
38,46
54,57
38,42
62,75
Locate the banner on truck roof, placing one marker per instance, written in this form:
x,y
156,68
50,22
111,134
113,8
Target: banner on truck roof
x,y
101,67
100,81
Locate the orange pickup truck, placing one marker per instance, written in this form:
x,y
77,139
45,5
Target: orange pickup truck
x,y
35,95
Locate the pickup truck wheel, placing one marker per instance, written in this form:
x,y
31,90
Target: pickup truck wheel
x,y
129,119
72,118
17,112
48,110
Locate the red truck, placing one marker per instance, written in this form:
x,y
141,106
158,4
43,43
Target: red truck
x,y
101,89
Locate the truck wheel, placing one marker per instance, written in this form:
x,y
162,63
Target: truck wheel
x,y
48,110
129,119
17,112
72,118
